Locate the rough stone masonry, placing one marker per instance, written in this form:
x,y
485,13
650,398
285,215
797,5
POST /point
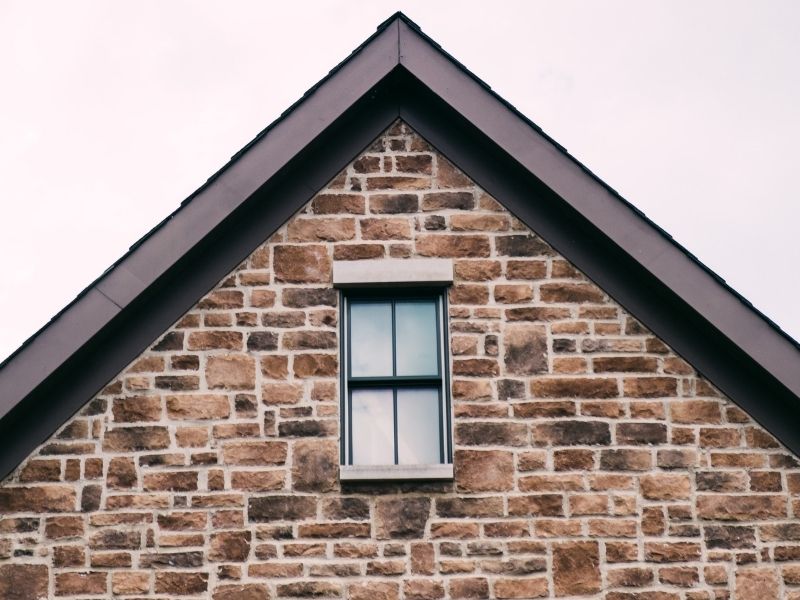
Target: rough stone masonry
x,y
590,460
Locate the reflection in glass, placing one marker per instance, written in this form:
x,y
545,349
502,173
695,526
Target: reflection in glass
x,y
418,431
372,426
417,349
371,339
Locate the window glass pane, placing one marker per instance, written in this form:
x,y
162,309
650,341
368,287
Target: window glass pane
x,y
372,427
370,339
418,431
417,352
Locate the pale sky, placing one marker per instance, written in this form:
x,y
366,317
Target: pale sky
x,y
111,113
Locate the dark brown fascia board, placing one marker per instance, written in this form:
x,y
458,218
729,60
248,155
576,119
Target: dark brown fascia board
x,y
615,217
208,207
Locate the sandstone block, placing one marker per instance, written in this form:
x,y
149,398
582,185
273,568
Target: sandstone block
x,y
23,582
484,470
576,568
301,264
255,453
525,349
42,499
232,371
181,583
402,517
315,465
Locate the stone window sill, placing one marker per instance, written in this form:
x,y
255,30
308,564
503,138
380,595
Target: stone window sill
x,y
395,472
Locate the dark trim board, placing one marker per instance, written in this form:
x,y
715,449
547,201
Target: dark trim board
x,y
398,72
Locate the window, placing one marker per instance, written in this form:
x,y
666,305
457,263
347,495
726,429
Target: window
x,y
395,405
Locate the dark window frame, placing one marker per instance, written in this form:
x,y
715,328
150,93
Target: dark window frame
x,y
441,381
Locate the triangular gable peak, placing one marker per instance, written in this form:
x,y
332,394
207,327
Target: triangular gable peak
x,y
209,466
398,72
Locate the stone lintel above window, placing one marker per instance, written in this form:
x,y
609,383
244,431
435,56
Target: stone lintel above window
x,y
393,272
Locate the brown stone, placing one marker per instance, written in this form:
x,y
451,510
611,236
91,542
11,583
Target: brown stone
x,y
477,270
385,229
402,517
453,246
121,473
40,499
358,251
281,508
136,408
394,203
315,465
72,584
539,505
213,340
671,551
127,583
468,587
309,340
334,530
40,470
57,528
522,245
181,583
198,407
320,230
328,204
232,372
373,590
574,388
525,349
573,433
275,367
478,222
741,507
476,367
241,592
576,568
311,589
512,293
219,299
305,297
301,264
422,589
23,582
315,365
761,583
469,294
729,537
255,453
448,200
281,393
650,387
174,481
664,486
229,546
695,411
507,589
626,460
641,433
491,433
484,470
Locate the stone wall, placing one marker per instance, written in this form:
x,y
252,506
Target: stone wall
x,y
590,460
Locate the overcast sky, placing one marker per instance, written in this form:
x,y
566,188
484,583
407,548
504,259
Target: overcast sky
x,y
112,112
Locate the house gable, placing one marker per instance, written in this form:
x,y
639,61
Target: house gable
x,y
208,466
397,72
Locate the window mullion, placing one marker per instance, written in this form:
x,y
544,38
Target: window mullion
x,y
396,441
